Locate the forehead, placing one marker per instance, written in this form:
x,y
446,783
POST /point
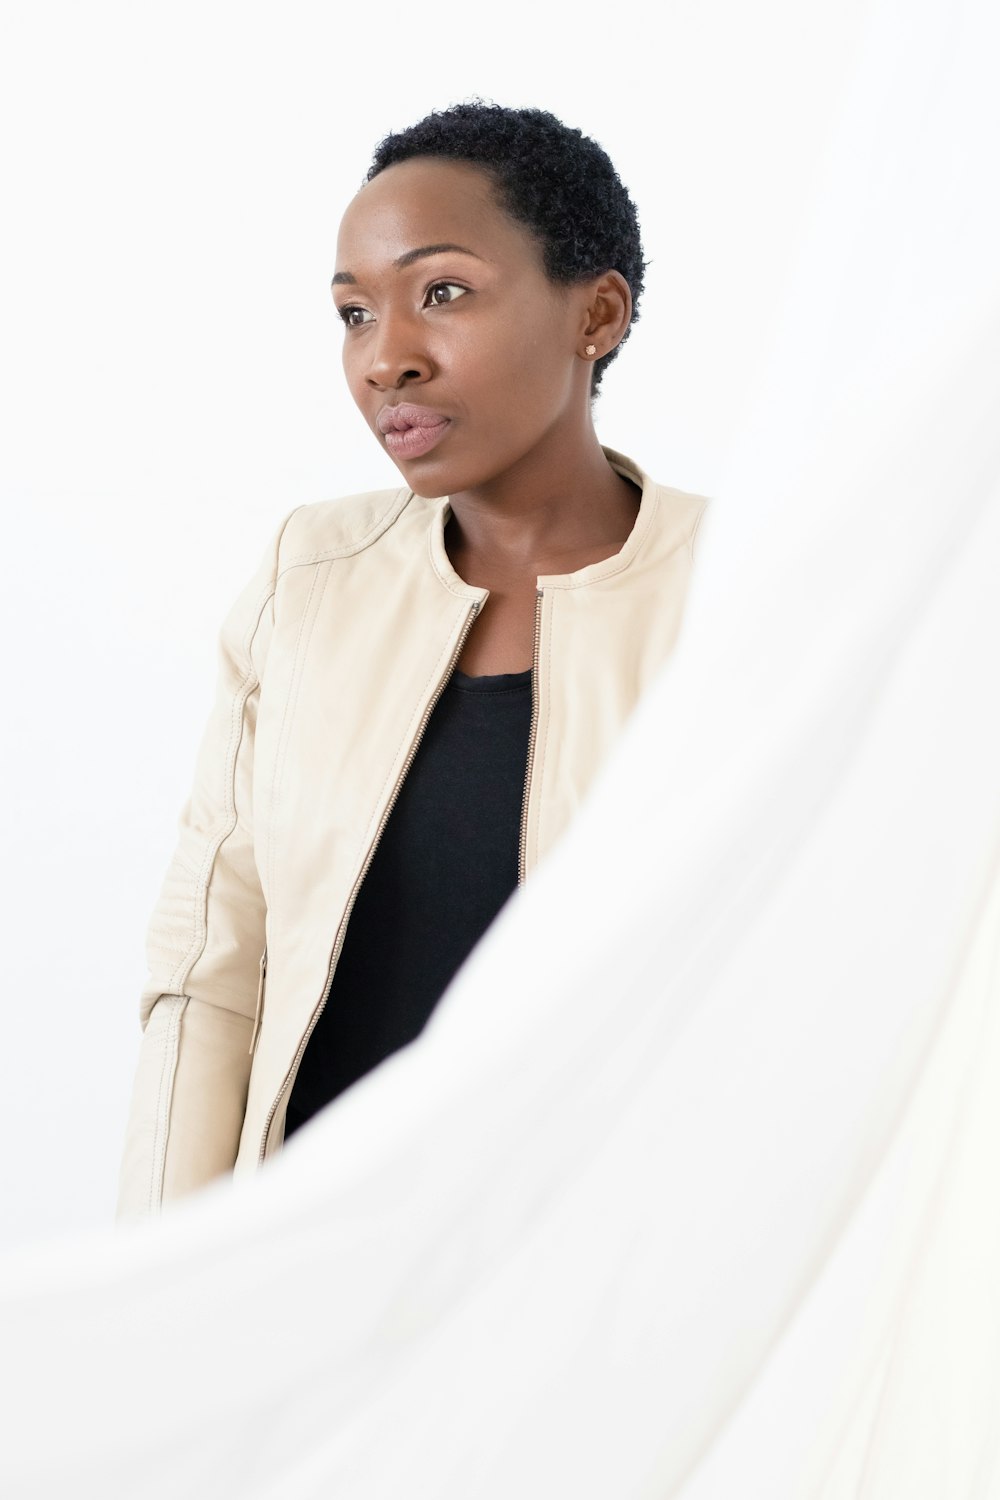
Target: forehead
x,y
423,201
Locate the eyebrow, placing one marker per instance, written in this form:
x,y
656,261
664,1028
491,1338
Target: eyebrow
x,y
344,278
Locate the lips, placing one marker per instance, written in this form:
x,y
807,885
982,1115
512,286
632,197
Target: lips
x,y
407,414
410,430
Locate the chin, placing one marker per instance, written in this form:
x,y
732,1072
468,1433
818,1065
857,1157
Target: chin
x,y
434,477
453,476
430,486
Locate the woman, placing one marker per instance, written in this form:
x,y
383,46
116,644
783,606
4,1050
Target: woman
x,y
419,684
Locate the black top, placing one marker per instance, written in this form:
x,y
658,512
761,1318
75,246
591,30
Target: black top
x,y
443,868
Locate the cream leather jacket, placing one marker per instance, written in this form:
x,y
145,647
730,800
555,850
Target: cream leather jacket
x,y
332,659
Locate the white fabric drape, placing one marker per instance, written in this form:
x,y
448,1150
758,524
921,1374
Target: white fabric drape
x,y
691,1187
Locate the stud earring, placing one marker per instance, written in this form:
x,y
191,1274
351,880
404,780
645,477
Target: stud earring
x,y
590,349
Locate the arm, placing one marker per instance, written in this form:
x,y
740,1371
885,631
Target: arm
x,y
205,941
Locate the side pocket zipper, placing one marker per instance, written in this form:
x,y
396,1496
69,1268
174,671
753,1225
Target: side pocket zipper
x,y
260,1001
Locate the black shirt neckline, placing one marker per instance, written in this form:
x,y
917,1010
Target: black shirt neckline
x,y
495,683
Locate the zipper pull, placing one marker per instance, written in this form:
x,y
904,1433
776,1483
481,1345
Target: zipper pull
x,y
260,1000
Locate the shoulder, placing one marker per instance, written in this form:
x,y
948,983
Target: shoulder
x,y
681,513
326,529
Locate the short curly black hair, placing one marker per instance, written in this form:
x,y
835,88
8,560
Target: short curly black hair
x,y
549,176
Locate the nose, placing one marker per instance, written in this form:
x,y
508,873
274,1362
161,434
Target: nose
x,y
396,355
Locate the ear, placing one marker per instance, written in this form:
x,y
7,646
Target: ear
x,y
607,311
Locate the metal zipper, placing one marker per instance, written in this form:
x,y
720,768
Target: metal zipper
x,y
342,929
260,999
522,849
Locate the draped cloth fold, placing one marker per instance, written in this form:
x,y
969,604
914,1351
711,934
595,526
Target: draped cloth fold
x,y
704,1201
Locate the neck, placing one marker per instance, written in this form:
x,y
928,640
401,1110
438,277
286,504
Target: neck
x,y
558,503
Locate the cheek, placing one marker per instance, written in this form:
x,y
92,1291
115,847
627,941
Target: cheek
x,y
354,371
517,359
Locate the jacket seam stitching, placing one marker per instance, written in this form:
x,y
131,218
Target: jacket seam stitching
x,y
161,1121
199,917
241,696
307,624
348,549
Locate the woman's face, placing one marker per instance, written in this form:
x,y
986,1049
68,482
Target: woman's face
x,y
479,335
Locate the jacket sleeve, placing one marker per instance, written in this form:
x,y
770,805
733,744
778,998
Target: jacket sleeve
x,y
205,941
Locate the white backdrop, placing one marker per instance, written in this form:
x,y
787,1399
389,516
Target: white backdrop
x,y
170,383
705,1204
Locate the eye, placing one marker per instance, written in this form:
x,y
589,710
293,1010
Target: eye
x,y
344,313
448,286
